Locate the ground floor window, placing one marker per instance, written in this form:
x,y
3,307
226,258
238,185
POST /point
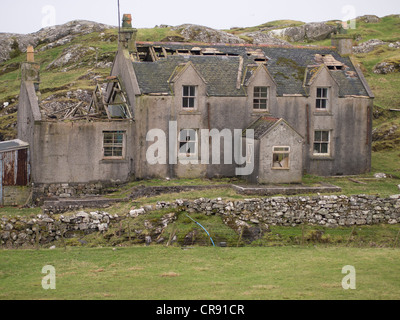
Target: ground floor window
x,y
321,142
188,142
113,144
280,158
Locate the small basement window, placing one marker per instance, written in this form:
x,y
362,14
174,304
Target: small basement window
x,y
113,144
280,158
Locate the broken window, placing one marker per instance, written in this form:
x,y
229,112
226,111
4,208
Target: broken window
x,y
113,144
280,157
188,142
260,98
189,97
321,142
322,98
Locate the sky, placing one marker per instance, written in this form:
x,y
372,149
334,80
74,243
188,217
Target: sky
x,y
27,16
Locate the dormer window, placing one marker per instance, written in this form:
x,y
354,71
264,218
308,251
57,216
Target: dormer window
x,y
260,96
189,97
322,101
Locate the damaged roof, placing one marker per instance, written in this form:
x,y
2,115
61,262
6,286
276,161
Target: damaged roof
x,y
290,67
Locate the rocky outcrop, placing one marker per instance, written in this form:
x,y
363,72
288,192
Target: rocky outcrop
x,y
385,67
52,36
307,32
369,18
191,32
259,37
368,46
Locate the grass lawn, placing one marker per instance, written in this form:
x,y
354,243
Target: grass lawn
x,y
159,273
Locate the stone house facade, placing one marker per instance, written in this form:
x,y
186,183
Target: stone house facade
x,y
186,105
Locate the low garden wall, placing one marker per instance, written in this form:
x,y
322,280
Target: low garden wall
x,y
259,213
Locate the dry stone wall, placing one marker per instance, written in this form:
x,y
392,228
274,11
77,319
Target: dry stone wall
x,y
329,211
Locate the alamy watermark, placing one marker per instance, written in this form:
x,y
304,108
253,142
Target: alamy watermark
x,y
49,16
349,281
49,281
194,147
349,18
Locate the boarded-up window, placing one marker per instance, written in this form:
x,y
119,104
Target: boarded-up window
x,y
280,157
113,144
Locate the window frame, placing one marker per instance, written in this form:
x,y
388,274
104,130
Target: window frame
x,y
187,155
321,142
114,144
287,152
322,100
258,98
190,98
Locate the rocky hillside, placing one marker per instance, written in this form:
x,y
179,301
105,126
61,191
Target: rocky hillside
x,y
75,55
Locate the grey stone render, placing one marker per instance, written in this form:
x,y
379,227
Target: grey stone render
x,y
319,97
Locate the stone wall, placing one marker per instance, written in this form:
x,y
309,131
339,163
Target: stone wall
x,y
328,211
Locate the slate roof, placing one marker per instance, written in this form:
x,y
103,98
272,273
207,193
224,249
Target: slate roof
x,y
263,124
289,66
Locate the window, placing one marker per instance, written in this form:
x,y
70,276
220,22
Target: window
x,y
188,142
113,144
260,98
189,97
322,98
280,158
321,143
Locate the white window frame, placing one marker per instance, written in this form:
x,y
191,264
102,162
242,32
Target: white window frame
x,y
277,150
319,100
260,98
322,141
186,98
114,144
187,155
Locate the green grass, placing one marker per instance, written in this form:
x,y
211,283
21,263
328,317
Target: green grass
x,y
158,273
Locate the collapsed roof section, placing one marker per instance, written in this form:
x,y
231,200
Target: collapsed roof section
x,y
116,108
221,65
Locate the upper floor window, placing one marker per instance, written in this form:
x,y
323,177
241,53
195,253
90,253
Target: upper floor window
x,y
260,96
189,97
322,101
113,144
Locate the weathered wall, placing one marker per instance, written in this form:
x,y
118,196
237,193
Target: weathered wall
x,y
73,152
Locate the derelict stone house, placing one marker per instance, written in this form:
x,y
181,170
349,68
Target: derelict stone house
x,y
310,110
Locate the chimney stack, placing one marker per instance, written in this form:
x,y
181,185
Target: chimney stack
x,y
343,44
30,54
127,34
30,70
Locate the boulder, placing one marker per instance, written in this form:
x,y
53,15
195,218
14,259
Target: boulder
x,y
314,31
191,32
385,67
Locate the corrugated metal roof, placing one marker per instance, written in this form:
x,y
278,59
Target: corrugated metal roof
x,y
12,145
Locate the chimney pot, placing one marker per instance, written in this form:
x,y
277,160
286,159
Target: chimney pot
x,y
30,54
